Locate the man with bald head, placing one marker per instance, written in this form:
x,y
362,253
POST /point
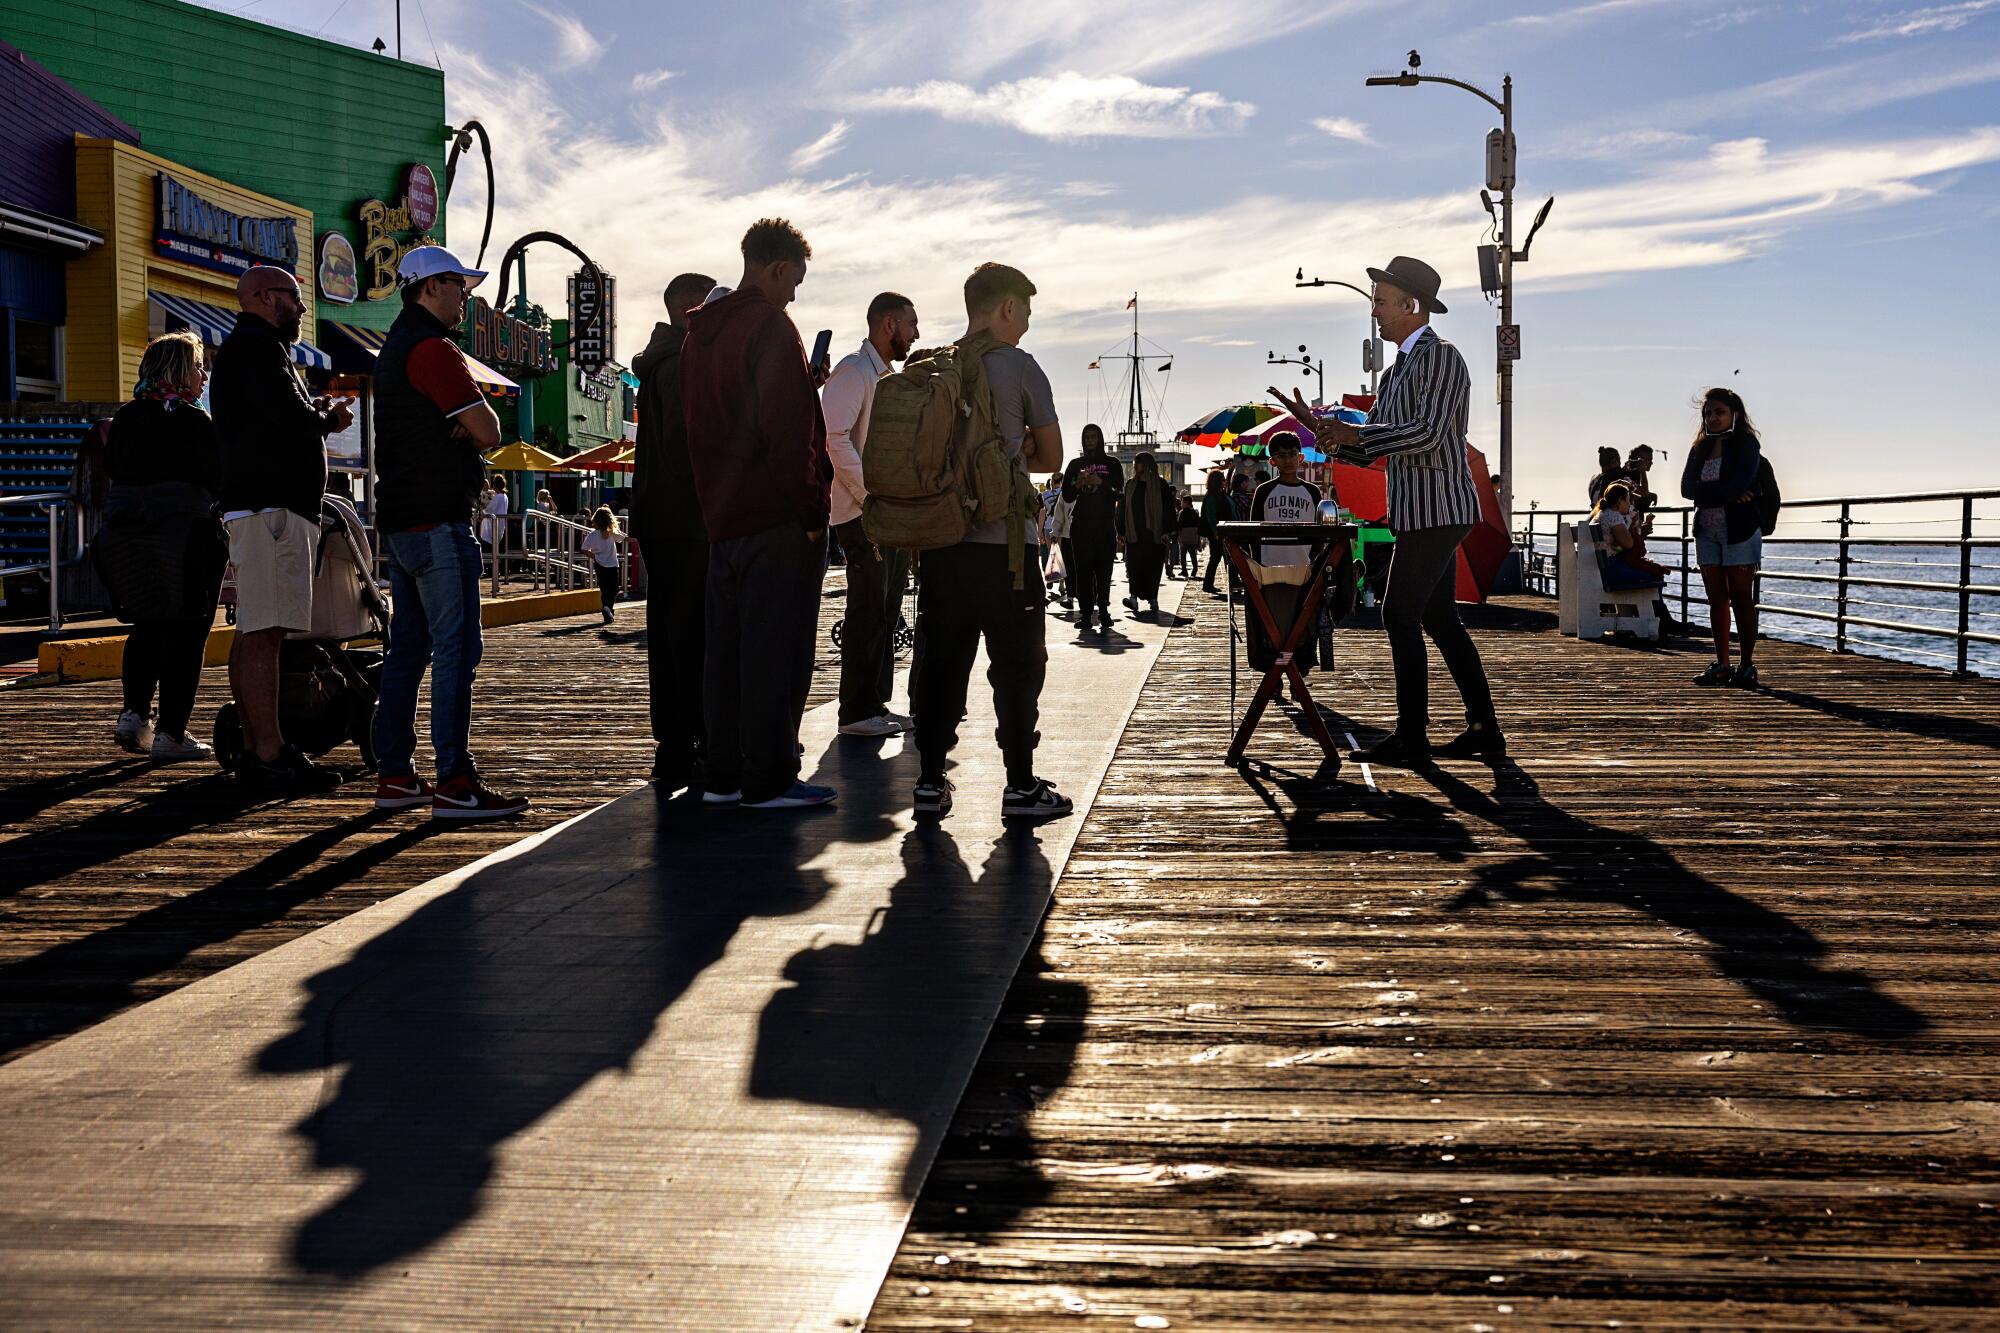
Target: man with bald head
x,y
273,434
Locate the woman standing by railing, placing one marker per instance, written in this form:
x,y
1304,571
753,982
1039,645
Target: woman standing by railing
x,y
1720,479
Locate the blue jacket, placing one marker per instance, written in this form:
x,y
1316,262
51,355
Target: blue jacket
x,y
1740,457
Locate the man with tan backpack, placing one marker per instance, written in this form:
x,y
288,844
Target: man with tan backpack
x,y
952,438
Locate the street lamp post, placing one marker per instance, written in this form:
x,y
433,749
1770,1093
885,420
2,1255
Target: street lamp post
x,y
1371,360
1304,358
1500,175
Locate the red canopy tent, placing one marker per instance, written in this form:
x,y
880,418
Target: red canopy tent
x,y
1485,548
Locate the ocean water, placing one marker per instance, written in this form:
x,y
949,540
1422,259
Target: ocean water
x,y
1821,561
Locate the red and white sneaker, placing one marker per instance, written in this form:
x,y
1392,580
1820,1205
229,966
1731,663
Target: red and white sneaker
x,y
401,793
465,797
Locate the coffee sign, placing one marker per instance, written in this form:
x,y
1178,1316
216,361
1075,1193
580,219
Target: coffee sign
x,y
593,321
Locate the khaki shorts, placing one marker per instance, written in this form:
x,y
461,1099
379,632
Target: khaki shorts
x,y
273,554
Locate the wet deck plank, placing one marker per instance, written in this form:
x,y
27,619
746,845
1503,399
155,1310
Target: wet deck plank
x,y
1683,1019
121,880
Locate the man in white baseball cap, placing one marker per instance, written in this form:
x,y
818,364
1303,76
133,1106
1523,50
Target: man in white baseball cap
x,y
434,261
432,424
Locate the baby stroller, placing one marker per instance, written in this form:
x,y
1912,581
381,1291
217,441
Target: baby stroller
x,y
326,690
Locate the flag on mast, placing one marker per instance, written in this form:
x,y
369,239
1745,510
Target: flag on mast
x,y
1133,302
1093,366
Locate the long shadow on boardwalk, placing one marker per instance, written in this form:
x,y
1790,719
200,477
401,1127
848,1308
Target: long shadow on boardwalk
x,y
879,1026
495,1003
1573,859
80,981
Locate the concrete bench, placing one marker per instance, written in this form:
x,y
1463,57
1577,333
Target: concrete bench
x,y
1588,609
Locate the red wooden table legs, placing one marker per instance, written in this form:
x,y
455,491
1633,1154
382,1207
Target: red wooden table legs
x,y
1284,668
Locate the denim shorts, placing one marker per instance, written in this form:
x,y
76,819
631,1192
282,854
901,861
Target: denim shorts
x,y
1749,551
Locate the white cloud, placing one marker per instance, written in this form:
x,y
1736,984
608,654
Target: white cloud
x,y
1578,15
651,79
1341,127
1922,22
1620,145
820,149
577,45
1085,189
1102,37
672,200
1070,106
1724,18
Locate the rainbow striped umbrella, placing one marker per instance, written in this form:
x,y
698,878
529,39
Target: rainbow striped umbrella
x,y
1217,429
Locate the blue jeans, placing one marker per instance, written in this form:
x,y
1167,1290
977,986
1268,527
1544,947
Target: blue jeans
x,y
434,581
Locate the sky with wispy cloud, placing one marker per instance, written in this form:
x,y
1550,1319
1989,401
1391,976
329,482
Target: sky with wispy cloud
x,y
1796,198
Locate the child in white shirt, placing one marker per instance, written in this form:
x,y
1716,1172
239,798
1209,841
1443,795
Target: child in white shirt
x,y
602,543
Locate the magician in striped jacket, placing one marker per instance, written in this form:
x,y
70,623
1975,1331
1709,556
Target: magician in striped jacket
x,y
1418,424
1418,427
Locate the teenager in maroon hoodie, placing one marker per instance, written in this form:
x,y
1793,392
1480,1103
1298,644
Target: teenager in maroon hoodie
x,y
757,446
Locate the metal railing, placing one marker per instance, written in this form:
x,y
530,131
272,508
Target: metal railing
x,y
55,504
552,552
1830,596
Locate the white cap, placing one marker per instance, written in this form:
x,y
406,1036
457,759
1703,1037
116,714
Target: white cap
x,y
434,261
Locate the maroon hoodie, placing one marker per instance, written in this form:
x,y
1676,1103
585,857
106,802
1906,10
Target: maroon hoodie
x,y
756,438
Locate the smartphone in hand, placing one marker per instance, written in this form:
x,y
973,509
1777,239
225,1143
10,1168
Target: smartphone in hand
x,y
822,357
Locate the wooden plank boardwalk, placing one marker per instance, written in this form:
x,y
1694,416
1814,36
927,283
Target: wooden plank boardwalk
x,y
1685,1017
121,880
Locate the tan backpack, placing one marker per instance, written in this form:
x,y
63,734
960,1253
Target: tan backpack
x,y
934,464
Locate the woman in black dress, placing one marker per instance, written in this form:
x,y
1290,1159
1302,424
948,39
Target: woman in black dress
x,y
161,550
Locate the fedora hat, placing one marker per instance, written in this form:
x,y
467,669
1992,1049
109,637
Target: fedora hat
x,y
1415,277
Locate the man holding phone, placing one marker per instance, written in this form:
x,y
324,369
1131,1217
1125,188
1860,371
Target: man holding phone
x,y
874,577
757,447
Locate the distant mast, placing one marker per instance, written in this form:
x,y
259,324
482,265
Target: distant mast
x,y
1136,438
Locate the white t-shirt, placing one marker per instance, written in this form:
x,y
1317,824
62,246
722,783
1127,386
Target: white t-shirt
x,y
1611,519
1280,501
494,525
603,548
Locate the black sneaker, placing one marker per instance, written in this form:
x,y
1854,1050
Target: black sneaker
x,y
932,800
291,775
306,775
1746,677
1394,751
1475,742
1038,800
1717,674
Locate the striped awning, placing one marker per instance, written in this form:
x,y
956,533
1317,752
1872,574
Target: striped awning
x,y
213,324
370,341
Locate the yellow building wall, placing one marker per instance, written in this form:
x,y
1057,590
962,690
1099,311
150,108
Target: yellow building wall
x,y
118,195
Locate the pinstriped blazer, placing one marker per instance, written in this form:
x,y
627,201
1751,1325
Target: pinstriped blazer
x,y
1419,425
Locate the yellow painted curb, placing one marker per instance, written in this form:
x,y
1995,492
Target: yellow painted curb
x,y
104,658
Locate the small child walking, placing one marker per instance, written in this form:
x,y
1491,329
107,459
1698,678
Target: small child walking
x,y
602,544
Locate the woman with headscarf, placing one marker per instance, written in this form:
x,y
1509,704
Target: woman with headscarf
x,y
1146,524
1093,483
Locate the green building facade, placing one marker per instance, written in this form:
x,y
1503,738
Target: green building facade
x,y
573,412
321,125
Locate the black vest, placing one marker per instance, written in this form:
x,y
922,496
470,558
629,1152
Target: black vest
x,y
423,473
